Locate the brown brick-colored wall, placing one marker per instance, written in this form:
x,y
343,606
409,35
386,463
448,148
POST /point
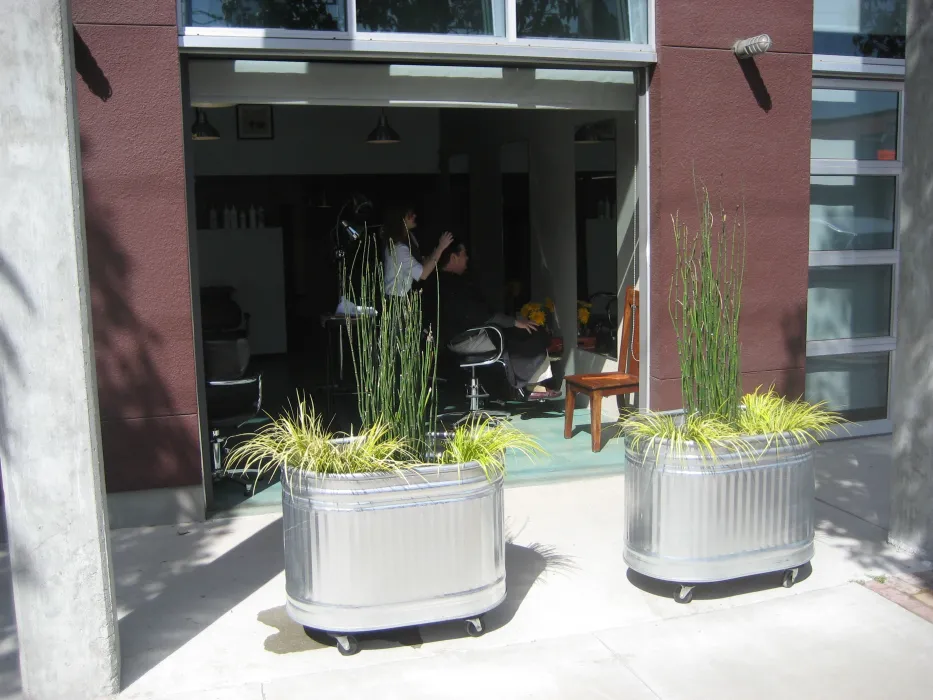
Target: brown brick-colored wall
x,y
132,149
744,128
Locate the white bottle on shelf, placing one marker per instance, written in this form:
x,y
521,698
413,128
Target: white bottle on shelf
x,y
242,219
252,216
233,218
261,217
212,218
226,216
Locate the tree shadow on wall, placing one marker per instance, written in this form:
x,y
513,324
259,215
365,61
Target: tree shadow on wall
x,y
143,446
14,291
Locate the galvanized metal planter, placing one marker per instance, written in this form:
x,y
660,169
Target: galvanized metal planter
x,y
368,552
692,518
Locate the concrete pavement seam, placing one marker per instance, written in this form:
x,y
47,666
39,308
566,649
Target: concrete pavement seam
x,y
631,670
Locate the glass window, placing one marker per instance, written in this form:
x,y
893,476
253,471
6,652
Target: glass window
x,y
432,16
854,124
849,302
854,385
869,28
609,20
322,15
852,212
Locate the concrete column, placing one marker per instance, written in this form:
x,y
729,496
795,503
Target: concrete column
x,y
912,399
552,194
486,219
49,425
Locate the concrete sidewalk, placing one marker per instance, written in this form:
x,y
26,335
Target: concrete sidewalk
x,y
202,613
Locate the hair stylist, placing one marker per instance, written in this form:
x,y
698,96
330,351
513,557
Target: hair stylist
x,y
403,262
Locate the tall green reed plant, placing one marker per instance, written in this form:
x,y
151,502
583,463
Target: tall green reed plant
x,y
705,303
394,360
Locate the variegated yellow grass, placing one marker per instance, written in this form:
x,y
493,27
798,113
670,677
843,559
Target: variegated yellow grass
x,y
763,414
486,443
298,442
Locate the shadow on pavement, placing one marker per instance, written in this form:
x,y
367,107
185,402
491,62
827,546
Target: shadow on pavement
x,y
170,609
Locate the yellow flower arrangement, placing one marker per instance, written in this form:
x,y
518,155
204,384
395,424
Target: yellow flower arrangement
x,y
536,312
583,313
539,313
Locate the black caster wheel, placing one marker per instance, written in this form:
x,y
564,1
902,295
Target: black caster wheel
x,y
790,578
684,594
475,627
348,646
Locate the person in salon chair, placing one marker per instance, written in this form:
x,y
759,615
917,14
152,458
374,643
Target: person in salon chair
x,y
463,307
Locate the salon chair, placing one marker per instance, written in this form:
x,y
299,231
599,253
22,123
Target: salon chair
x,y
232,403
476,395
225,334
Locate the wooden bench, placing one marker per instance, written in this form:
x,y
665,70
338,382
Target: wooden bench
x,y
596,386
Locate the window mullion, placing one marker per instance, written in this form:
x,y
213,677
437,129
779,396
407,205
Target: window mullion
x,y
511,20
351,18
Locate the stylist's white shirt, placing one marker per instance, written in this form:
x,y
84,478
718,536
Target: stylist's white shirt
x,y
401,269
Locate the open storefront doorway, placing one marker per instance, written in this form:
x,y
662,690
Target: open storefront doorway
x,y
533,169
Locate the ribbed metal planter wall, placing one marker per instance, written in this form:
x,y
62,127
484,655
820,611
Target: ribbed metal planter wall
x,y
694,519
381,551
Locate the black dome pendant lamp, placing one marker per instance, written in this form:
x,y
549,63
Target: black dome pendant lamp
x,y
203,130
383,133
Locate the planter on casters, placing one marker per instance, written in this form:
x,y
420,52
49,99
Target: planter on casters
x,y
696,518
368,552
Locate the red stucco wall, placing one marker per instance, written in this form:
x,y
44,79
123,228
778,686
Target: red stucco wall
x,y
746,133
132,148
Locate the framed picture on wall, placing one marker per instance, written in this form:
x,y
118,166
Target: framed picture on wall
x,y
254,122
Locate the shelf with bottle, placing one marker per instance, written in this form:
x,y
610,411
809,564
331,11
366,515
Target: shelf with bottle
x,y
231,218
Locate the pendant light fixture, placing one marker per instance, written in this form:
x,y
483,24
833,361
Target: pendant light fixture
x,y
588,133
203,130
383,133
595,132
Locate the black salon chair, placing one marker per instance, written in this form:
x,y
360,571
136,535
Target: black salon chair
x,y
230,404
476,395
225,334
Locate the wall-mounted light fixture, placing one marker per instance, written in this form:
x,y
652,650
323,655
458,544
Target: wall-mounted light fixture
x,y
757,45
203,130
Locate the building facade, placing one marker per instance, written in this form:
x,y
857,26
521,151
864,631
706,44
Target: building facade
x,y
807,136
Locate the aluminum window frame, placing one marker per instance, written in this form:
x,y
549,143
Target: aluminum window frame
x,y
352,42
867,72
826,64
829,65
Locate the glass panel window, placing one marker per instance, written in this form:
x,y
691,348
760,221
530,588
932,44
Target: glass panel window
x,y
868,28
608,20
854,385
849,302
852,212
854,124
483,17
321,15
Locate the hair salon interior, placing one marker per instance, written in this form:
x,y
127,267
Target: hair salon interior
x,y
234,152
